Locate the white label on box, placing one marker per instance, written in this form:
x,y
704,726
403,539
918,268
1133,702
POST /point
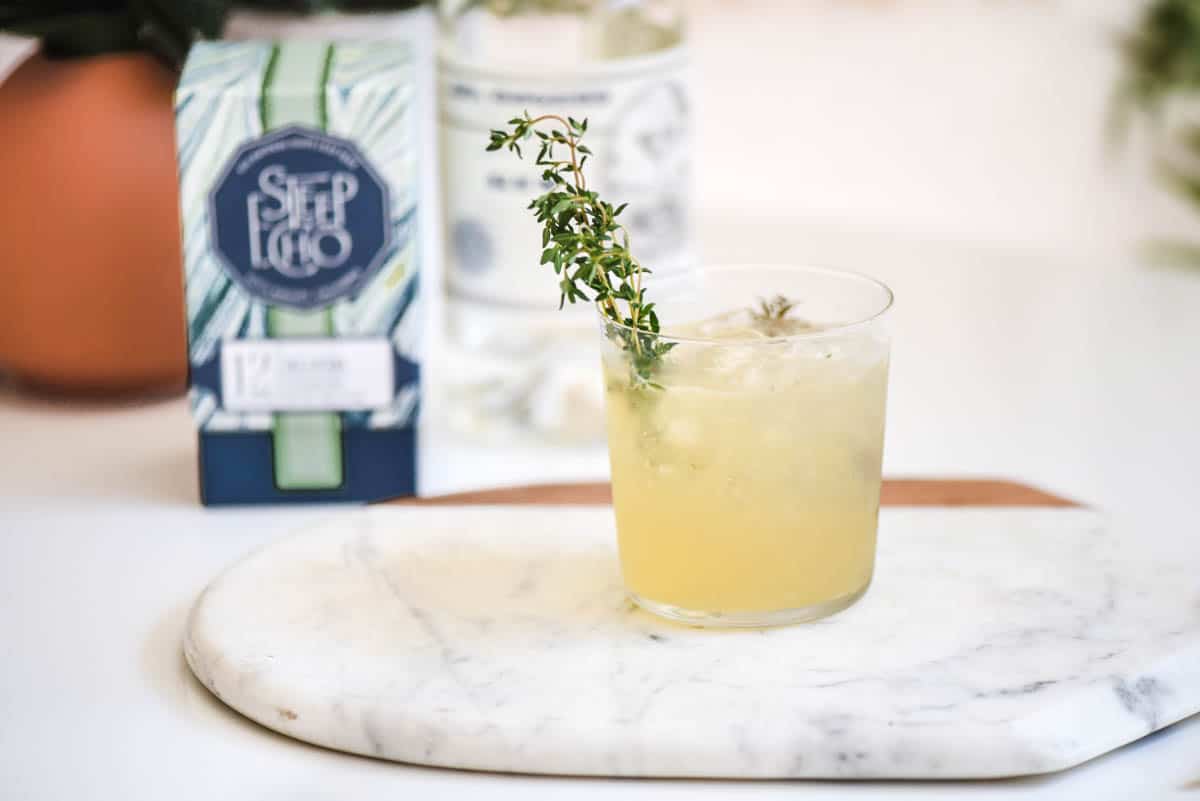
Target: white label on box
x,y
313,375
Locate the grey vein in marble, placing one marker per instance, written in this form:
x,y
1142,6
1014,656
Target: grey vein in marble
x,y
992,643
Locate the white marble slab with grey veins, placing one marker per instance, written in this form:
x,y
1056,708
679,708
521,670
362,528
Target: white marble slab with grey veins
x,y
993,643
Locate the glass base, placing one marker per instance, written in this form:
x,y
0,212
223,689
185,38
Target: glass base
x,y
749,620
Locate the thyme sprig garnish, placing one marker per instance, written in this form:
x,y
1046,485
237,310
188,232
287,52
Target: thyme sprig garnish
x,y
771,313
773,309
583,241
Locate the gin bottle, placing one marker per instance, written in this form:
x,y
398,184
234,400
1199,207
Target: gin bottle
x,y
516,365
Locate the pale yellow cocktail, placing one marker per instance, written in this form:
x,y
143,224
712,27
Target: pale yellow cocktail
x,y
746,488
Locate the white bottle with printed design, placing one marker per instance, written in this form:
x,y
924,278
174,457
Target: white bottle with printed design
x,y
516,364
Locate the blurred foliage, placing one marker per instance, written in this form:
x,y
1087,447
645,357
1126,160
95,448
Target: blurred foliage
x,y
79,28
1163,53
1162,57
166,28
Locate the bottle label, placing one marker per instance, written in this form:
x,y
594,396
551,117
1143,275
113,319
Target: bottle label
x,y
639,128
300,218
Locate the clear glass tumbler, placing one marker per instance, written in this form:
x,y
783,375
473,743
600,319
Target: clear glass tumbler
x,y
746,465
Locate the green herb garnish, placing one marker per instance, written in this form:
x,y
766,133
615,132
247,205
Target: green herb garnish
x,y
773,310
584,243
771,313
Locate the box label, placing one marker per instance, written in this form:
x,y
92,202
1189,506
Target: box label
x,y
306,375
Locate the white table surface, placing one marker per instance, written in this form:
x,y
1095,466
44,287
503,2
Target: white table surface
x,y
1077,374
1053,355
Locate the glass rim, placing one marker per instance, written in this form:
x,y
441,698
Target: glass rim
x,y
889,299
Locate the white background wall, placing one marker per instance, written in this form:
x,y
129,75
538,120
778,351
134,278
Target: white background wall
x,y
961,118
951,119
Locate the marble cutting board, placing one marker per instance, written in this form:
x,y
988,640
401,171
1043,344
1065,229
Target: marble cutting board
x,y
993,642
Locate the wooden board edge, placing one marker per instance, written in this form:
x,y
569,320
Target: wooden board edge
x,y
896,492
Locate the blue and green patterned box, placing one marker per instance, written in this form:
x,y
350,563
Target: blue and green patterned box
x,y
298,170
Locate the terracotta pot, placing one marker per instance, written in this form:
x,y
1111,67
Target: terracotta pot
x,y
91,294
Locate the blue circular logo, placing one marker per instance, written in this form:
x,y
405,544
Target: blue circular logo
x,y
299,218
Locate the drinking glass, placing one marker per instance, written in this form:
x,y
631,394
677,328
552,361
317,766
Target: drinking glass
x,y
746,462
